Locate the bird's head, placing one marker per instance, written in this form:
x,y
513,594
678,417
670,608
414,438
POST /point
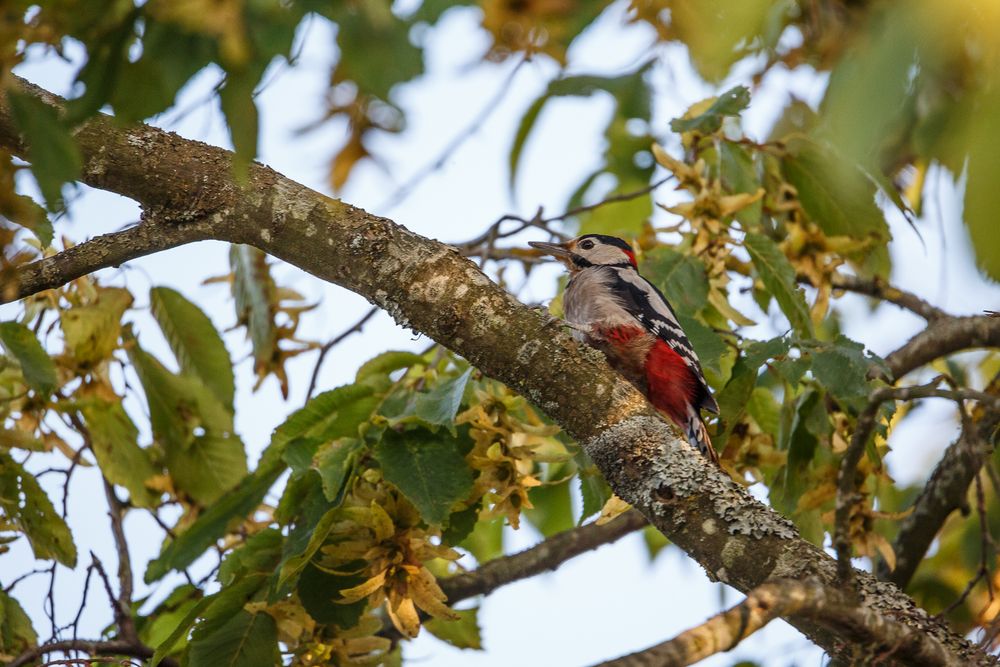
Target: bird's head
x,y
590,250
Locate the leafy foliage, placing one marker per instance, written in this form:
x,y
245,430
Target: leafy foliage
x,y
390,484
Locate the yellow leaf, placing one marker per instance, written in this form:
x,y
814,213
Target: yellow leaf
x,y
381,523
885,549
404,616
612,509
426,593
361,591
718,299
730,204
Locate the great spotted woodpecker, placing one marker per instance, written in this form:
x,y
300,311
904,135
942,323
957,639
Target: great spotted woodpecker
x,y
611,307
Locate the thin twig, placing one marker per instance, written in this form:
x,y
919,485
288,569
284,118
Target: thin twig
x,y
404,191
9,587
123,603
945,491
986,549
83,600
92,647
484,245
333,342
846,482
879,289
548,555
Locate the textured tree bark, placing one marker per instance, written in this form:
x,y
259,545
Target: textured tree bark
x,y
430,288
783,597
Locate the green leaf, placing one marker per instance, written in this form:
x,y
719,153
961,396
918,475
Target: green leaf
x,y
387,362
765,410
486,540
375,71
594,492
439,406
655,541
28,508
16,438
553,509
982,199
334,462
105,57
180,406
840,199
808,425
255,299
336,413
212,523
621,218
718,33
296,557
170,57
115,444
630,91
244,640
258,555
16,633
778,276
738,174
461,524
36,366
195,342
319,593
52,151
428,468
215,610
180,630
22,210
842,368
681,278
299,454
462,633
236,98
91,332
734,396
729,103
209,467
708,344
156,627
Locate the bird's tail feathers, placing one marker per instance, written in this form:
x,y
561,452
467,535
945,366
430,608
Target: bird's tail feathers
x,y
697,434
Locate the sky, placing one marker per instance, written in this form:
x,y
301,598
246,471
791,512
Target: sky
x,y
597,606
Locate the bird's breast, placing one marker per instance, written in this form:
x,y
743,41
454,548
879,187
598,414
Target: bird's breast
x,y
589,300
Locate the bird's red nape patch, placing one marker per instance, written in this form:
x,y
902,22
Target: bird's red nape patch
x,y
672,384
631,258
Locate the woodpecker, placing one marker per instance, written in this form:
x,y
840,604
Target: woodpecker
x,y
609,306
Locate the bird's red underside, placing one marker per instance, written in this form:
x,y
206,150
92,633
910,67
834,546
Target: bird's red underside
x,y
672,386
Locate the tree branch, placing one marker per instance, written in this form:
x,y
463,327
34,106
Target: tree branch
x,y
90,647
879,289
100,252
432,289
886,639
846,478
941,338
545,556
333,342
123,603
945,491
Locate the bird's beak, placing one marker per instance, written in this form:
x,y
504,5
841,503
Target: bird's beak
x,y
557,250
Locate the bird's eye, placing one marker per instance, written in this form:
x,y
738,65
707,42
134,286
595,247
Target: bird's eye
x,y
587,245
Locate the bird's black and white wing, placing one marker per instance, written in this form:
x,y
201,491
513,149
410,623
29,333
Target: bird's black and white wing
x,y
648,305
